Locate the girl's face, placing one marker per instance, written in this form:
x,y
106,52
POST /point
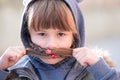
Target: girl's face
x,y
51,25
52,38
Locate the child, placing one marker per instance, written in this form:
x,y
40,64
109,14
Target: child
x,y
49,25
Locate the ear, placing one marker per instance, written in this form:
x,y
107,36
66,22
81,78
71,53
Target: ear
x,y
79,1
26,2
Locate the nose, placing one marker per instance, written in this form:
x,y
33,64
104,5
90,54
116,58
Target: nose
x,y
51,43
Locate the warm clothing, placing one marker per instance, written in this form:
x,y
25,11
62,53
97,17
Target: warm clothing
x,y
32,68
58,71
26,71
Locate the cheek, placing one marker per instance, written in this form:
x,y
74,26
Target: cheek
x,y
66,43
37,40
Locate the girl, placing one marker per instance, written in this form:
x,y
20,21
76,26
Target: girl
x,y
50,25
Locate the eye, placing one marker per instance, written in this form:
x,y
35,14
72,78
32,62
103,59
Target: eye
x,y
61,34
42,34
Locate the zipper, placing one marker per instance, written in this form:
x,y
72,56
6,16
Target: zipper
x,y
82,74
77,72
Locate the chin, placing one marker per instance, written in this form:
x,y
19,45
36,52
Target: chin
x,y
52,61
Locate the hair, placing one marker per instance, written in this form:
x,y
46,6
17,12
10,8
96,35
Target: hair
x,y
45,14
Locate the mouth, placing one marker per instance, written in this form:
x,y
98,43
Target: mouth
x,y
37,51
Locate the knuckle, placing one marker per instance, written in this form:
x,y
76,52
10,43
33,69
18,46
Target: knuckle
x,y
85,49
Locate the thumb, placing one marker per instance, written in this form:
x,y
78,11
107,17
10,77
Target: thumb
x,y
76,50
12,58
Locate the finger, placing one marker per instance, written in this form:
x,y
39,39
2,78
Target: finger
x,y
83,62
13,57
79,52
82,49
15,53
10,56
19,51
22,48
76,50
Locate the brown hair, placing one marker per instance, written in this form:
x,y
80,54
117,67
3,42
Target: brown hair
x,y
45,14
50,14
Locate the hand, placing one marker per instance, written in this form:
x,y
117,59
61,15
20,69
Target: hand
x,y
11,56
85,56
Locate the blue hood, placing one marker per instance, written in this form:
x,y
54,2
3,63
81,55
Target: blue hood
x,y
78,17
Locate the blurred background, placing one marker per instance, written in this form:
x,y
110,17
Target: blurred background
x,y
102,21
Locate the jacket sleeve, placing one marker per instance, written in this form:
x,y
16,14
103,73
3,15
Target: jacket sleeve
x,y
3,74
101,71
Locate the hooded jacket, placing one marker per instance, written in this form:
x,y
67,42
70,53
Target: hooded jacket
x,y
25,37
76,12
24,70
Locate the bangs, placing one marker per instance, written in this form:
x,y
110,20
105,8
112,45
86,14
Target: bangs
x,y
45,14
